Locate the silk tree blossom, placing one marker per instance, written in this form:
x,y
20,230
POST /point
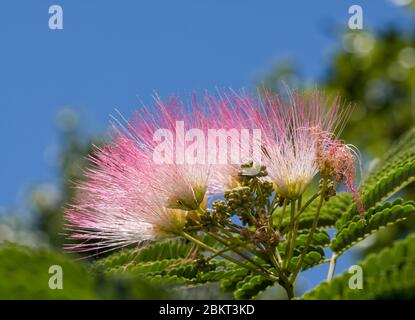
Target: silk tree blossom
x,y
338,161
169,134
289,139
195,146
116,205
131,194
209,136
127,196
172,156
240,138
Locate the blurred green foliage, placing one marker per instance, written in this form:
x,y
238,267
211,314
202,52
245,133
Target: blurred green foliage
x,y
376,73
24,274
70,163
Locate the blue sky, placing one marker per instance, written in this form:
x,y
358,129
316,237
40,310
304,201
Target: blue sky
x,y
112,53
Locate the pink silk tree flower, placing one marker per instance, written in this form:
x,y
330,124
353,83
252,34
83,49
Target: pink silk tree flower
x,y
211,139
239,142
289,139
141,186
338,161
298,138
116,206
186,162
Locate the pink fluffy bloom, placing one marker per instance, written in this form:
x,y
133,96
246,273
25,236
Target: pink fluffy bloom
x,y
141,186
338,161
243,138
290,130
198,156
299,140
116,206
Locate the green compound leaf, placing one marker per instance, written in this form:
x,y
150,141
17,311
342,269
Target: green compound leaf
x,y
169,249
168,280
397,154
315,252
24,274
127,258
232,273
188,273
386,275
320,238
168,267
375,218
230,281
395,171
162,263
170,262
330,212
251,286
314,257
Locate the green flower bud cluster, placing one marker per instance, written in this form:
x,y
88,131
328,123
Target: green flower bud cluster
x,y
251,177
240,198
220,211
240,202
330,189
251,195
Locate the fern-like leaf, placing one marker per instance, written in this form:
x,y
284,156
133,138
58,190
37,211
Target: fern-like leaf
x,y
128,258
376,218
386,275
251,286
395,171
330,212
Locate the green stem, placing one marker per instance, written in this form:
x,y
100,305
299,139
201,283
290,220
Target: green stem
x,y
235,228
218,253
295,229
284,206
274,261
309,201
272,206
231,237
289,289
300,211
291,237
233,260
278,255
300,199
238,252
311,234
